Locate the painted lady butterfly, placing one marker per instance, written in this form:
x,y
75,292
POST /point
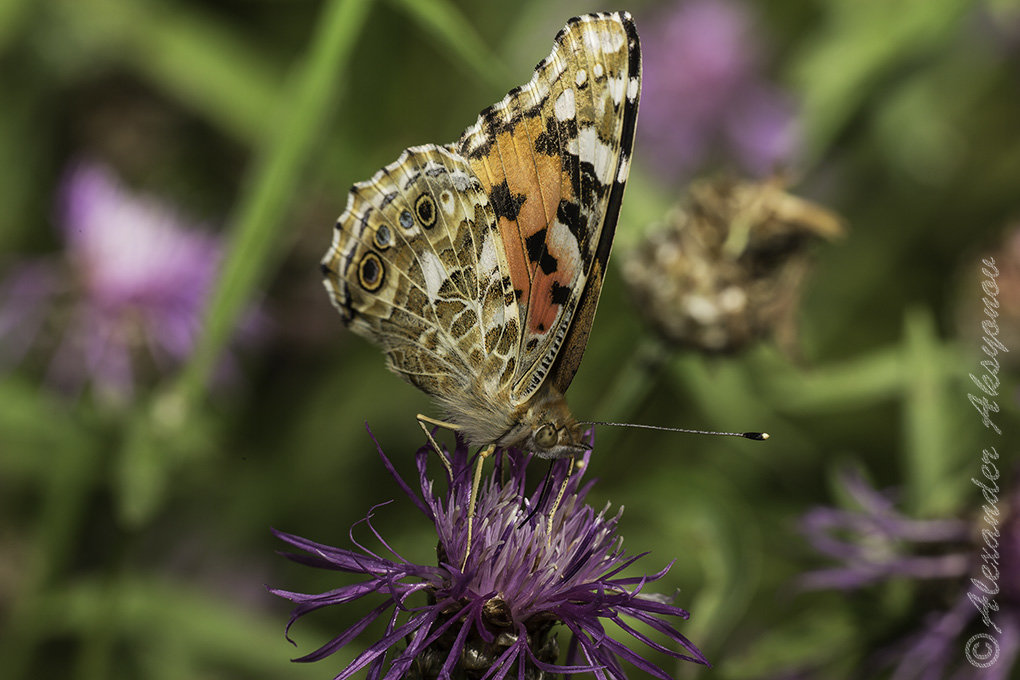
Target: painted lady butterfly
x,y
477,265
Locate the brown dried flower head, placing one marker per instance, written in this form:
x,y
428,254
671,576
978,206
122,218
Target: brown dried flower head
x,y
727,266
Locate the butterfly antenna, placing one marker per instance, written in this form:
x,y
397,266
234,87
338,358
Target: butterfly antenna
x,y
757,436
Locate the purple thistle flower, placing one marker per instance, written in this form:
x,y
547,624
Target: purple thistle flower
x,y
874,542
131,290
499,613
702,95
877,543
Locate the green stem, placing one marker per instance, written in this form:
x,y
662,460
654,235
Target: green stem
x,y
258,231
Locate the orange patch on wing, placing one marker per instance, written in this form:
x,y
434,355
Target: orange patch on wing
x,y
520,277
531,174
542,310
538,181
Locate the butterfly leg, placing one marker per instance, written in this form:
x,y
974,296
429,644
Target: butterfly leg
x,y
559,498
422,420
482,455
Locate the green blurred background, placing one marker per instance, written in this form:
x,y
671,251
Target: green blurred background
x,y
134,537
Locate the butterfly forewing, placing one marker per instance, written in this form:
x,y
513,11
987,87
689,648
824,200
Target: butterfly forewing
x,y
622,123
551,154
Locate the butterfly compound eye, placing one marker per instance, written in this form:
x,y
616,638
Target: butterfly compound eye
x,y
546,436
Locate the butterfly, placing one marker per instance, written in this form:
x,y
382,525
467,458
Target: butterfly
x,y
477,266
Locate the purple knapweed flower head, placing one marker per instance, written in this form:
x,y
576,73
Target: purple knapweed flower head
x,y
703,97
525,576
129,293
974,566
876,542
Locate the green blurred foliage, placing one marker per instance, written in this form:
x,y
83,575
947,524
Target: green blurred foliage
x,y
134,542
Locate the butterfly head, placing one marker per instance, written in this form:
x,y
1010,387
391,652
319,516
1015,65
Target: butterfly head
x,y
547,429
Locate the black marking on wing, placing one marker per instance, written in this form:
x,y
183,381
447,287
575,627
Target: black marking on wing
x,y
559,294
569,213
563,369
538,251
504,203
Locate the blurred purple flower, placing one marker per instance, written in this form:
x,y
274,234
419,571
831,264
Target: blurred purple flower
x,y
873,542
131,290
703,97
876,543
499,613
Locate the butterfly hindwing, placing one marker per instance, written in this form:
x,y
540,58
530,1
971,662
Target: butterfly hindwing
x,y
416,267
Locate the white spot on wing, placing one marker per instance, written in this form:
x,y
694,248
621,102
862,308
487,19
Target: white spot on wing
x,y
461,182
621,174
632,88
616,88
563,245
593,150
433,271
581,77
487,262
564,107
592,40
446,198
616,38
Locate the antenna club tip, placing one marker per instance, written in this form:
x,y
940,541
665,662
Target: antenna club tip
x,y
757,436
